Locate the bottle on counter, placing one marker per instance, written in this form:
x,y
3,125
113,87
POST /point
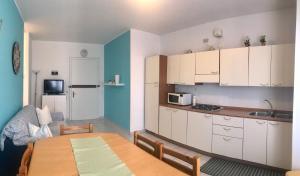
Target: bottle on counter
x,y
194,100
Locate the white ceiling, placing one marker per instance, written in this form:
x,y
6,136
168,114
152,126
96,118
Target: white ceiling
x,y
99,21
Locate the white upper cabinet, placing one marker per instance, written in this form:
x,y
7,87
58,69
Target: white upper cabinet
x,y
152,70
259,65
207,67
255,141
282,65
187,69
279,144
181,69
173,69
234,67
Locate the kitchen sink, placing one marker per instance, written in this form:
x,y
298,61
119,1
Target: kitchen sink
x,y
274,114
282,114
260,113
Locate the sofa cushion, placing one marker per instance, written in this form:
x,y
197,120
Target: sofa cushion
x,y
17,128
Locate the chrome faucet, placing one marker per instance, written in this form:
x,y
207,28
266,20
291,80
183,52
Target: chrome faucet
x,y
270,104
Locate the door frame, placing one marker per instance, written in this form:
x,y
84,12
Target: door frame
x,y
70,79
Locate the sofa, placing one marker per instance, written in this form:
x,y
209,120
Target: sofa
x,y
15,137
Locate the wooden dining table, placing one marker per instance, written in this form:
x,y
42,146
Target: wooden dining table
x,y
54,157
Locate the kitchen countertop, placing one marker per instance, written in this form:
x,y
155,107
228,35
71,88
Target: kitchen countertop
x,y
232,111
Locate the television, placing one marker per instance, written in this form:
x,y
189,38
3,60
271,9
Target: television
x,y
53,86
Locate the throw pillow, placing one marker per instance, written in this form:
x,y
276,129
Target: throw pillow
x,y
39,133
44,115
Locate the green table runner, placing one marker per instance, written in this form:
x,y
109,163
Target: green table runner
x,y
95,158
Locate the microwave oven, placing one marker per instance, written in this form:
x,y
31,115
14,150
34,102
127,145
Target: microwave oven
x,y
180,98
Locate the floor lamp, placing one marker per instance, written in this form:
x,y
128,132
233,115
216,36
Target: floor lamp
x,y
35,72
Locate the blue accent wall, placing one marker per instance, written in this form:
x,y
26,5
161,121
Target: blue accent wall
x,y
117,99
11,85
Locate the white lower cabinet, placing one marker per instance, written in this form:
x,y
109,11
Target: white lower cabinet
x,y
199,131
255,141
179,125
228,146
279,144
165,122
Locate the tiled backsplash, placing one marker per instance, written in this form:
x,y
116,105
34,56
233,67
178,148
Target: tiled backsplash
x,y
252,97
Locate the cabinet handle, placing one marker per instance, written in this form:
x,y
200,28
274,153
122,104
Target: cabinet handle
x,y
258,122
227,118
226,139
214,72
273,123
264,84
207,115
277,85
224,84
227,129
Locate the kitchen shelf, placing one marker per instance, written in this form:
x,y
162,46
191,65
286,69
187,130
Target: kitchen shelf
x,y
116,85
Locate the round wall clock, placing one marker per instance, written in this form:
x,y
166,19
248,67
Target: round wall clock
x,y
16,57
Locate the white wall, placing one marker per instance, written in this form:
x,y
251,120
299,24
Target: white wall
x,y
26,69
142,45
296,119
48,56
279,26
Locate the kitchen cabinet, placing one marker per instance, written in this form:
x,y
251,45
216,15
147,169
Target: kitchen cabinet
x,y
282,65
181,69
199,131
255,141
259,66
179,125
173,69
227,146
228,136
155,90
151,107
228,121
152,70
279,144
55,103
165,122
207,67
234,67
187,69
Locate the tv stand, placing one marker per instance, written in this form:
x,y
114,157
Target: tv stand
x,y
55,103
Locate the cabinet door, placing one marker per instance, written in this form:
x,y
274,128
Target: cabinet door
x,y
227,146
61,104
282,65
179,125
152,69
165,122
151,107
173,69
279,144
255,141
48,100
234,67
187,69
199,131
259,65
207,63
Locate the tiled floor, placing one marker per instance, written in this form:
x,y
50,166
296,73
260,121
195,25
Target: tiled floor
x,y
104,125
